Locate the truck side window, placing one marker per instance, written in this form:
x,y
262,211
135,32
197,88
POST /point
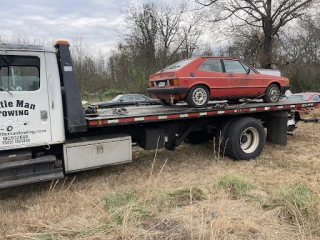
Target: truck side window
x,y
19,73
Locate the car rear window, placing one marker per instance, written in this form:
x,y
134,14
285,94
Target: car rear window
x,y
177,65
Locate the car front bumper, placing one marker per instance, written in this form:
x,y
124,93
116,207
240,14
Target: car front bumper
x,y
285,88
168,90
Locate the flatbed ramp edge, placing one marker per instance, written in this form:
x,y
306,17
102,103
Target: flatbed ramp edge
x,y
136,114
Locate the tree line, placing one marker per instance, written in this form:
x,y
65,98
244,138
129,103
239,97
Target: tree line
x,y
282,34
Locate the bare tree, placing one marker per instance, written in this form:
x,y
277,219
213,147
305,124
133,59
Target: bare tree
x,y
157,34
268,15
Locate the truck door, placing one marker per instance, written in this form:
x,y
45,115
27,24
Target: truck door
x,y
24,104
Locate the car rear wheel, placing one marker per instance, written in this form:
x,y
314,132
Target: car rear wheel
x,y
198,96
272,94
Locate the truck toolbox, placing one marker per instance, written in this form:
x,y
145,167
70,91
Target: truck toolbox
x,y
92,152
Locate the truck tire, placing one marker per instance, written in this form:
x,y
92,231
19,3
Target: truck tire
x,y
220,136
197,137
272,94
198,96
245,139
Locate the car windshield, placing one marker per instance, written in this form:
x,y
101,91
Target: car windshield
x,y
116,99
298,97
177,65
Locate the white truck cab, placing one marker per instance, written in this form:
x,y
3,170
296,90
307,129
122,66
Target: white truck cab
x,y
31,112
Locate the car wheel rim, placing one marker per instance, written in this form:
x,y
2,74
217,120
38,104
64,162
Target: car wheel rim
x,y
274,94
199,96
249,140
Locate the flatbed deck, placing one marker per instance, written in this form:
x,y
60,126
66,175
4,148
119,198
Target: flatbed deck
x,y
135,114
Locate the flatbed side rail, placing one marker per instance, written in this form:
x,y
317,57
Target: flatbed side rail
x,y
129,119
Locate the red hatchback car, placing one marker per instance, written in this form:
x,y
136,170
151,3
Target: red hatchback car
x,y
200,79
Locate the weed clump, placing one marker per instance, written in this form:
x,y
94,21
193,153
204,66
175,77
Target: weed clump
x,y
125,207
184,196
298,205
235,185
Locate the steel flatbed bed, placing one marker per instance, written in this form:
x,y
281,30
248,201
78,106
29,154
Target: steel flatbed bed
x,y
140,114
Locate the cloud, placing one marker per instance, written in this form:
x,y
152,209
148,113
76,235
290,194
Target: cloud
x,y
96,21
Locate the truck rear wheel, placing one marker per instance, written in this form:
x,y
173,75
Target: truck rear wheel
x,y
245,139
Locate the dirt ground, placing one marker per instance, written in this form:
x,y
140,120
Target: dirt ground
x,y
140,200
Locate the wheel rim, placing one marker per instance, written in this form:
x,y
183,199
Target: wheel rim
x,y
249,140
199,96
274,94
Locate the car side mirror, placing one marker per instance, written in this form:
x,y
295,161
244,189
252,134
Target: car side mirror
x,y
248,70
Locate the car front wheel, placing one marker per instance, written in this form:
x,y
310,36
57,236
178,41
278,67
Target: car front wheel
x,y
198,96
272,94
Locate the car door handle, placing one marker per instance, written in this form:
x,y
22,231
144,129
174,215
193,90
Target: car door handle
x,y
230,75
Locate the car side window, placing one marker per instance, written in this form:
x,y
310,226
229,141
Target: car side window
x,y
126,98
138,98
234,66
316,98
247,68
211,65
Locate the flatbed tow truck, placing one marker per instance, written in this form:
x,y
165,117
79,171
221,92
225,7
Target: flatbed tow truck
x,y
46,133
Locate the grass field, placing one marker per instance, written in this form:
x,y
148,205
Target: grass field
x,y
188,194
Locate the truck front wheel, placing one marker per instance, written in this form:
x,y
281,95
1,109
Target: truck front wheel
x,y
245,139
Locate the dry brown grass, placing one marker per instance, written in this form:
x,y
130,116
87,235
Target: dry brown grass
x,y
127,201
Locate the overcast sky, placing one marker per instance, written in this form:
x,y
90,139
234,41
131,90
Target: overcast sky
x,y
94,20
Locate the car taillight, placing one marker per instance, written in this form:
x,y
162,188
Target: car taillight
x,y
151,84
174,82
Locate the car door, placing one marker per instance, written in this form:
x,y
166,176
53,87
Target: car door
x,y
24,103
211,73
239,81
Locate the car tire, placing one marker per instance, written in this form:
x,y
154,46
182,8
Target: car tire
x,y
198,96
272,94
164,102
245,139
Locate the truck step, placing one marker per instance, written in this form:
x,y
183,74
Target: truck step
x,y
15,155
54,174
22,163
